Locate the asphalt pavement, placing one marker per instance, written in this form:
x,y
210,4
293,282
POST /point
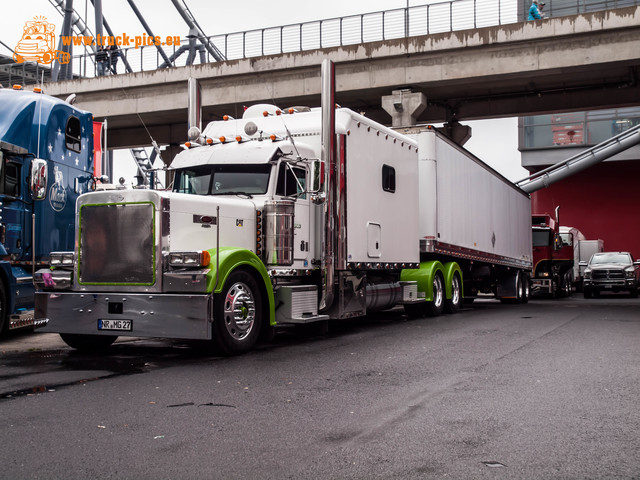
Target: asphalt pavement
x,y
543,390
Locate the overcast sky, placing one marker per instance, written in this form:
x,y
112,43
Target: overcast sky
x,y
493,141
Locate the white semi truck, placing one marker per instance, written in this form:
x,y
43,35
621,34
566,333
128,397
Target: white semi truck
x,y
289,217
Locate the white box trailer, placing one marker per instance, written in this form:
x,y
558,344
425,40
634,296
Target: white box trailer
x,y
470,212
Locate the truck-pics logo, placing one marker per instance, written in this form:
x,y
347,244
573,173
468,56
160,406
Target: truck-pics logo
x,y
38,43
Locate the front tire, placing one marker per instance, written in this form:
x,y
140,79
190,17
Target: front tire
x,y
87,343
238,314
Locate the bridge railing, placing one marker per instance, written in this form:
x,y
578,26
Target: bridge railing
x,y
437,17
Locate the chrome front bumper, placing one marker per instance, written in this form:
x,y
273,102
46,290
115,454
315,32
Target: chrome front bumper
x,y
152,315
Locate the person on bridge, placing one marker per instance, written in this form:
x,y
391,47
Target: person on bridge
x,y
102,61
534,12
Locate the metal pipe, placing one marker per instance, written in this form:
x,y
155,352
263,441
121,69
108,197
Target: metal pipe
x,y
194,106
579,162
97,5
215,53
65,72
328,137
127,66
148,29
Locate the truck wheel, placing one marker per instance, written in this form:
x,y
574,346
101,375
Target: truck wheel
x,y
634,293
237,314
435,307
566,285
526,289
88,342
586,291
454,304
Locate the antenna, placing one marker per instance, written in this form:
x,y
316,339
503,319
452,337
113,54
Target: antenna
x,y
292,140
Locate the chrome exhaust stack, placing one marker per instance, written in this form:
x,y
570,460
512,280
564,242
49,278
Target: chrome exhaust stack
x,y
328,157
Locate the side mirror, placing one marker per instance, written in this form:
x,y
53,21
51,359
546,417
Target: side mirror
x,y
38,179
582,264
316,174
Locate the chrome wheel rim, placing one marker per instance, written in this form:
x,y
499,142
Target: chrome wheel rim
x,y
239,311
438,294
455,290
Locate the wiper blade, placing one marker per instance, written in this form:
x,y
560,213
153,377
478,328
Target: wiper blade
x,y
240,194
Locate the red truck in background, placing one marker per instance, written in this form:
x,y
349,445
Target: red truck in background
x,y
552,258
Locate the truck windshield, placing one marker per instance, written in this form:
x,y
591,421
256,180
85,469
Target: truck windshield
x,y
223,179
541,238
598,258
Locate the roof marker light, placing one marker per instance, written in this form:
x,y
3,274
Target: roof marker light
x,y
17,87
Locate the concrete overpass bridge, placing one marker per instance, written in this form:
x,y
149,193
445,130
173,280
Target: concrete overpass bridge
x,y
578,62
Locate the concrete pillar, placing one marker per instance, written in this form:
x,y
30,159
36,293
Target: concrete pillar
x,y
404,106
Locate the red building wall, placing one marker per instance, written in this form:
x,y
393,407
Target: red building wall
x,y
602,202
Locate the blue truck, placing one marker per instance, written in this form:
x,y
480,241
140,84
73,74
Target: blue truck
x,y
46,161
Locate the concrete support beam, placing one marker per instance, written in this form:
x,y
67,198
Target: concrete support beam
x,y
404,106
457,132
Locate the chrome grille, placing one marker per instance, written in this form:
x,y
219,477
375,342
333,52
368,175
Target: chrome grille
x,y
117,244
607,274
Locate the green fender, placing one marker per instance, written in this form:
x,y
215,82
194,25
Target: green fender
x,y
449,269
232,258
424,276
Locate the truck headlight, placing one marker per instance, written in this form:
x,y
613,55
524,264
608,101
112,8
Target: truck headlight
x,y
630,272
189,259
587,273
61,259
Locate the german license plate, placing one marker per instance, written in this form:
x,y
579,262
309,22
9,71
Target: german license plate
x,y
124,325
